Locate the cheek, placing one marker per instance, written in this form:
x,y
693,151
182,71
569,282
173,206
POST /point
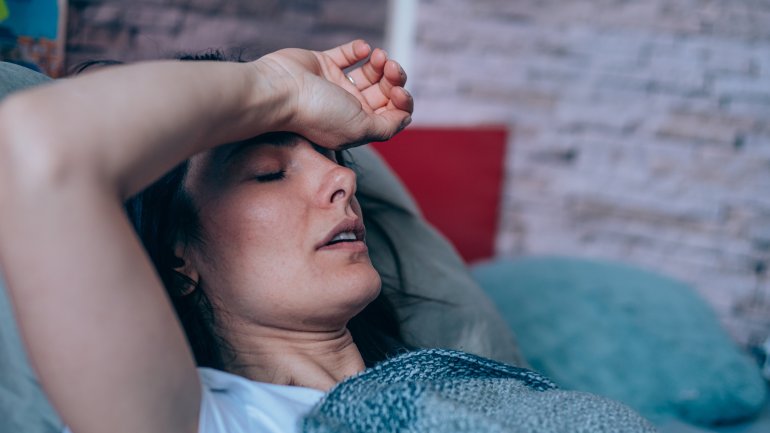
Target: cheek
x,y
262,228
252,245
260,263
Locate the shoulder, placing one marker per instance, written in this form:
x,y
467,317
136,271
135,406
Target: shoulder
x,y
234,404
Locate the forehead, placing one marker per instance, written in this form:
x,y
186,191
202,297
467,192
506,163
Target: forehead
x,y
210,168
228,153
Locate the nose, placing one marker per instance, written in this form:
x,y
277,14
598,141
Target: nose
x,y
339,185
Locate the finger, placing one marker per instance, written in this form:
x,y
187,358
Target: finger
x,y
379,95
370,72
375,97
347,55
400,100
394,73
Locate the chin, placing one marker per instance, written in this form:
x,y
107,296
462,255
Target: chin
x,y
361,286
370,282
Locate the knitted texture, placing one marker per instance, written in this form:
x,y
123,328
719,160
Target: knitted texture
x,y
445,391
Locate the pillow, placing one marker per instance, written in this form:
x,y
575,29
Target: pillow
x,y
627,334
465,319
14,77
23,406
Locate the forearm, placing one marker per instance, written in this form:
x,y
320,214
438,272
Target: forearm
x,y
97,324
130,124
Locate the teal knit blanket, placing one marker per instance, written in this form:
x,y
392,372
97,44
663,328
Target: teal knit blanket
x,y
444,391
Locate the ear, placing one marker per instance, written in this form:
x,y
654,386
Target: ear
x,y
184,266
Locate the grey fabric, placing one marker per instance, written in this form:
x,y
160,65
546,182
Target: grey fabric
x,y
440,391
466,319
14,77
23,406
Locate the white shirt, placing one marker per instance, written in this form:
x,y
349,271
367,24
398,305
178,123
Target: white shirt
x,y
234,404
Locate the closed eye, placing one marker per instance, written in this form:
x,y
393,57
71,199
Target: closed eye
x,y
328,153
271,177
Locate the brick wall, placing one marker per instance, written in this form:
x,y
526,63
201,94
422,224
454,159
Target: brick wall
x,y
150,29
641,129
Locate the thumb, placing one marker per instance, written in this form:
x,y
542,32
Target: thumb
x,y
386,124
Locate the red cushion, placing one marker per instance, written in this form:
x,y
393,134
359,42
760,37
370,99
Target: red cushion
x,y
455,175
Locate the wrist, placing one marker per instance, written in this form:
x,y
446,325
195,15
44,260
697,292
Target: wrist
x,y
272,99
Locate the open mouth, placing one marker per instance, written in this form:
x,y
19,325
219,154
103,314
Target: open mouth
x,y
343,237
347,232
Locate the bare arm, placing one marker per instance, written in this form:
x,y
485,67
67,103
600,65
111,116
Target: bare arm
x,y
98,326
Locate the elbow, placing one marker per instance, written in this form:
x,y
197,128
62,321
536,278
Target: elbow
x,y
30,156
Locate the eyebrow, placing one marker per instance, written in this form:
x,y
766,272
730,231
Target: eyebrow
x,y
278,139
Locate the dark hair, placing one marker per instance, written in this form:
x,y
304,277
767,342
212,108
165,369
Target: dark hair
x,y
164,214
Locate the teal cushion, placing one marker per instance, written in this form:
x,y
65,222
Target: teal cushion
x,y
627,334
14,77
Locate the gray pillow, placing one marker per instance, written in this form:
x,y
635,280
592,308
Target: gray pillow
x,y
14,77
466,319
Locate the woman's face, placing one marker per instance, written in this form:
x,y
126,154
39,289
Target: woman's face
x,y
281,239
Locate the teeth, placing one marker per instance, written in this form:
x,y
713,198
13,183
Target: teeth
x,y
344,236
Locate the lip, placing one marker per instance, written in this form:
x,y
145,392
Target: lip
x,y
349,247
354,225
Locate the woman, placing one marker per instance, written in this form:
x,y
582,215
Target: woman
x,y
99,329
259,239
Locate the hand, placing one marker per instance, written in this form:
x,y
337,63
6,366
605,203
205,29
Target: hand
x,y
326,107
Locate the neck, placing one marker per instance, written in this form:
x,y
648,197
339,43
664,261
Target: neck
x,y
314,359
